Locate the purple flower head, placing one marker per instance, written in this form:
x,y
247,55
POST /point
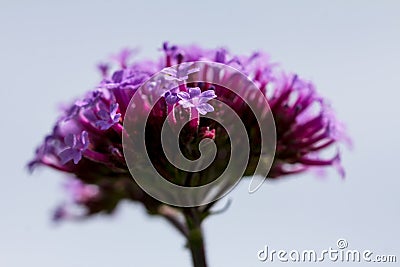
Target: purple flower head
x,y
108,117
197,99
306,128
180,73
74,147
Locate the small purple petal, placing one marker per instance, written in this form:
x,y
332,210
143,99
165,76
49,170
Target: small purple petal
x,y
184,95
170,71
195,98
66,155
113,109
117,76
108,117
85,140
171,99
180,72
194,92
186,104
116,117
220,56
104,115
209,94
70,140
102,125
169,49
205,108
77,157
74,148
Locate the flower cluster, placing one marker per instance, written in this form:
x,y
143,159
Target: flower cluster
x,y
87,139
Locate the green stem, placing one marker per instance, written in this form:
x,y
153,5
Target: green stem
x,y
195,237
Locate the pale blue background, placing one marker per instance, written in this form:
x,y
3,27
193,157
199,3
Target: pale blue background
x,y
48,51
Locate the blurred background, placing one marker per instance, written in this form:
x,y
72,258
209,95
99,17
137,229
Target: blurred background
x,y
350,49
